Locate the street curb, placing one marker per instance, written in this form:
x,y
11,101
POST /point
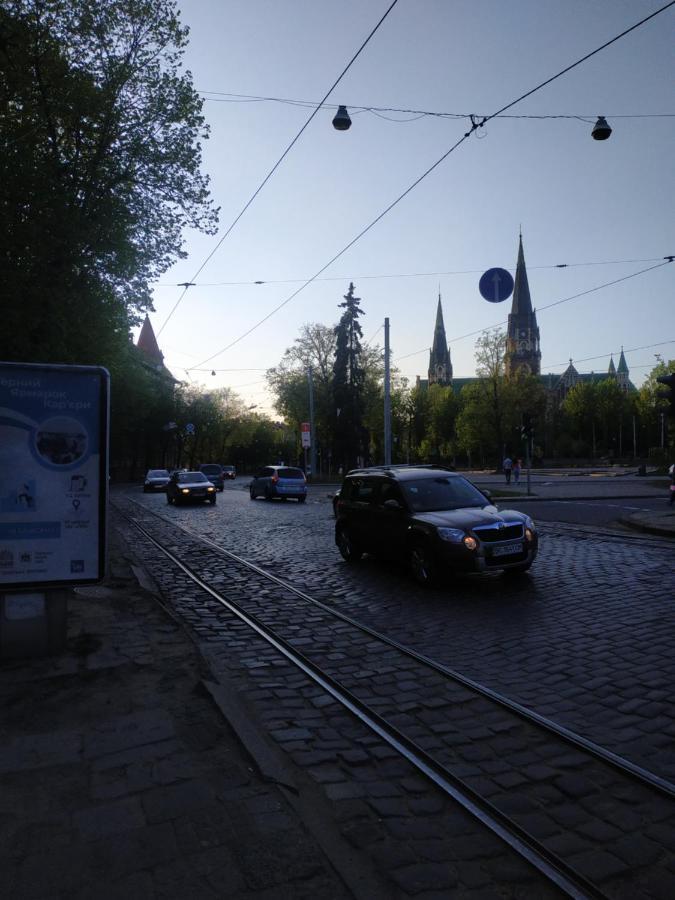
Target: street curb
x,y
637,524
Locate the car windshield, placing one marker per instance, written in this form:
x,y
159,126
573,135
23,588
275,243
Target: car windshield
x,y
158,473
228,468
189,477
297,474
443,492
211,470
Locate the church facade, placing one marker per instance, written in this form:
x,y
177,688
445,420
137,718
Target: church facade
x,y
523,349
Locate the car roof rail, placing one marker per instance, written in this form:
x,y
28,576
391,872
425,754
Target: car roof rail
x,y
391,470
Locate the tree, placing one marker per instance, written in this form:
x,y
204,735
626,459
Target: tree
x,y
348,380
100,170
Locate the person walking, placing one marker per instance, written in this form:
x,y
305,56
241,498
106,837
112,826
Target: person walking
x,y
507,466
516,471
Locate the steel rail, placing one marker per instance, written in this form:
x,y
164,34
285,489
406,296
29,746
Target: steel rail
x,y
625,766
554,869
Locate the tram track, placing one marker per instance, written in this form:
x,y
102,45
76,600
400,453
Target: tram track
x,y
597,773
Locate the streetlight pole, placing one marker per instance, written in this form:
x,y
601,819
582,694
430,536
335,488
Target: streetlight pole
x,y
312,433
387,397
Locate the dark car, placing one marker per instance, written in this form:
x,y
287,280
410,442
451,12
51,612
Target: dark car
x,y
279,481
190,487
434,518
229,472
156,480
214,473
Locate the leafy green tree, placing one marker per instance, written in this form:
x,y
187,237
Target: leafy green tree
x,y
99,172
348,380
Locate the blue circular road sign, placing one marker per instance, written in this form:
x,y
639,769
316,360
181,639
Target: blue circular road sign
x,y
496,285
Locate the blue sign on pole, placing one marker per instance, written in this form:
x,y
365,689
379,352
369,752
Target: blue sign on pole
x,y
496,285
189,428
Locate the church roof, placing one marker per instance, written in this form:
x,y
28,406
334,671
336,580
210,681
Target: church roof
x,y
612,367
147,342
522,304
440,347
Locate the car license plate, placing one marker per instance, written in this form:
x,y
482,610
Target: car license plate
x,y
507,550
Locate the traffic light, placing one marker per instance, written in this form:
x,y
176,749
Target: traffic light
x,y
669,395
527,427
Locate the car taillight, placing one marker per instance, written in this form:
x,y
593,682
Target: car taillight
x,y
275,478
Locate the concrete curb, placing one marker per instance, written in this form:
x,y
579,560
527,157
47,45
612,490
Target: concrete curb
x,y
651,523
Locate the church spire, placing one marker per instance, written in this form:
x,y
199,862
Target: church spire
x,y
522,337
522,304
147,342
440,366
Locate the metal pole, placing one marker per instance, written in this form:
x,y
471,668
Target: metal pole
x,y
312,433
663,442
387,397
529,463
634,440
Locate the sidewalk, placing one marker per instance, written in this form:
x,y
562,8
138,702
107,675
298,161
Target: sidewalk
x,y
120,777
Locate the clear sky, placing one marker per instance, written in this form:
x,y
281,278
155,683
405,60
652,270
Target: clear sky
x,y
578,201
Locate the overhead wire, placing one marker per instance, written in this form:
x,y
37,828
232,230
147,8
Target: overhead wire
x,y
605,262
415,113
475,125
542,308
279,161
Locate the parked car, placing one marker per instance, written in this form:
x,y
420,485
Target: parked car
x,y
279,481
156,480
186,487
214,473
229,472
434,518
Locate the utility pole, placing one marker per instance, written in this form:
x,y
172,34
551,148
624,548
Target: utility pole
x,y
387,397
312,433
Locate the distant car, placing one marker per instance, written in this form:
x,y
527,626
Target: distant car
x,y
279,481
435,519
229,472
156,480
214,473
186,487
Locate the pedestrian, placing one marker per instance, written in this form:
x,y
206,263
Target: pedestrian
x,y
516,471
507,466
671,472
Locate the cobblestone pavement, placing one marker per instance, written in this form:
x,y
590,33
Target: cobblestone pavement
x,y
585,641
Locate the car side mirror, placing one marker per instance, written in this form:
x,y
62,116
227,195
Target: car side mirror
x,y
487,495
392,504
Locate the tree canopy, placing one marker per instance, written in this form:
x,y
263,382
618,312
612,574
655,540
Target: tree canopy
x,y
99,173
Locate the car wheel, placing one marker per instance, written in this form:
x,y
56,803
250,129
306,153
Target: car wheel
x,y
349,549
301,499
268,495
517,570
251,494
422,565
169,500
212,501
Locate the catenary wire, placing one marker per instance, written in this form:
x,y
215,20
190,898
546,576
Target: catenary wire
x,y
279,161
541,308
417,113
475,124
604,262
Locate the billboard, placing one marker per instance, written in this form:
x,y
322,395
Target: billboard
x,y
53,474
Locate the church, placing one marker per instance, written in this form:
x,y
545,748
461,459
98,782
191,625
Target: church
x,y
523,350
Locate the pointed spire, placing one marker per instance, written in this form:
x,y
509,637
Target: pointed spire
x,y
612,368
522,304
440,366
147,342
622,368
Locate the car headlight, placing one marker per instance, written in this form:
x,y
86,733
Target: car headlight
x,y
530,524
470,542
210,489
453,535
185,490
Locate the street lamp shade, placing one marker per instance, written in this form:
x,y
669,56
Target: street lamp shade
x,y
601,130
342,122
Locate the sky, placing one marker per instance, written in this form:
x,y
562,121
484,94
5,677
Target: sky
x,y
603,208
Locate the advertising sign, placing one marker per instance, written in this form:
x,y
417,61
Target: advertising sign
x,y
305,435
53,474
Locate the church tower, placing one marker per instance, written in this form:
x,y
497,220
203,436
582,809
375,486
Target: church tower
x,y
522,337
440,367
